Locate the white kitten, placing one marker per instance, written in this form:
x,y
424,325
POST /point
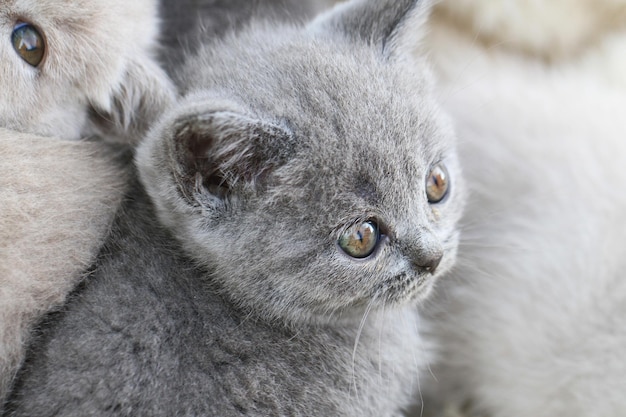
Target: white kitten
x,y
62,61
532,324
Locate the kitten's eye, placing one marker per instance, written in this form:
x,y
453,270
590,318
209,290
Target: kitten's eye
x,y
360,240
28,43
437,183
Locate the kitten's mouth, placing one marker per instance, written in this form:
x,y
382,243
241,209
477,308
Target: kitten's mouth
x,y
405,287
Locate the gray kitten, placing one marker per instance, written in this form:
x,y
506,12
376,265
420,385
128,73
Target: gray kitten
x,y
301,198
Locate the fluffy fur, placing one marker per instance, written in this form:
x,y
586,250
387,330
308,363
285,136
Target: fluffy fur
x,y
57,198
554,30
99,64
578,35
186,23
606,61
242,303
531,322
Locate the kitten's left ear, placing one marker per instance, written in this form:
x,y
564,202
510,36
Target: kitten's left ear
x,y
206,150
390,25
143,92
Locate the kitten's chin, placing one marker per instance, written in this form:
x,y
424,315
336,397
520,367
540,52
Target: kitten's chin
x,y
406,288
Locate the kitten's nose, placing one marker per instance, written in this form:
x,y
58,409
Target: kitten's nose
x,y
429,261
425,252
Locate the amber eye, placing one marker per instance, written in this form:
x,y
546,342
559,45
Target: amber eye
x,y
28,43
437,183
360,240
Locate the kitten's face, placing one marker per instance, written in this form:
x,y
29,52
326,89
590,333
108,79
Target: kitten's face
x,y
60,58
313,175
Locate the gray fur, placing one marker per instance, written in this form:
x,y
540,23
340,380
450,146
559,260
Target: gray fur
x,y
187,22
224,292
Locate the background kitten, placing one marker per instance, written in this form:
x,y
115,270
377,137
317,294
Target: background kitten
x,y
561,29
64,65
309,177
532,322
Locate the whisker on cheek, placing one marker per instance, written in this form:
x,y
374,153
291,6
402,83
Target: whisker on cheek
x,y
356,342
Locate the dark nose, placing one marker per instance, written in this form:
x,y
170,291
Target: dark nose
x,y
428,261
425,252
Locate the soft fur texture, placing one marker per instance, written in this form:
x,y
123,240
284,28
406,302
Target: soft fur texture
x,y
57,198
578,35
555,30
186,23
606,60
99,63
531,323
242,303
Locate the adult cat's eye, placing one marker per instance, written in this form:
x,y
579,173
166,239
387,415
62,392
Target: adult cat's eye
x,y
360,240
28,43
437,183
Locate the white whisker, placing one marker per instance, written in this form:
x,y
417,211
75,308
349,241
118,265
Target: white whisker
x,y
380,338
368,308
421,353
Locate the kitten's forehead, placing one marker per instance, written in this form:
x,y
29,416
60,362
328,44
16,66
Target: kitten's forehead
x,y
364,125
328,88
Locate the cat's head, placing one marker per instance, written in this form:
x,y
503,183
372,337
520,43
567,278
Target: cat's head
x,y
310,168
72,68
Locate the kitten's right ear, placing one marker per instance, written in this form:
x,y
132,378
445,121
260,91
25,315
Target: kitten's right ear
x,y
211,148
384,24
